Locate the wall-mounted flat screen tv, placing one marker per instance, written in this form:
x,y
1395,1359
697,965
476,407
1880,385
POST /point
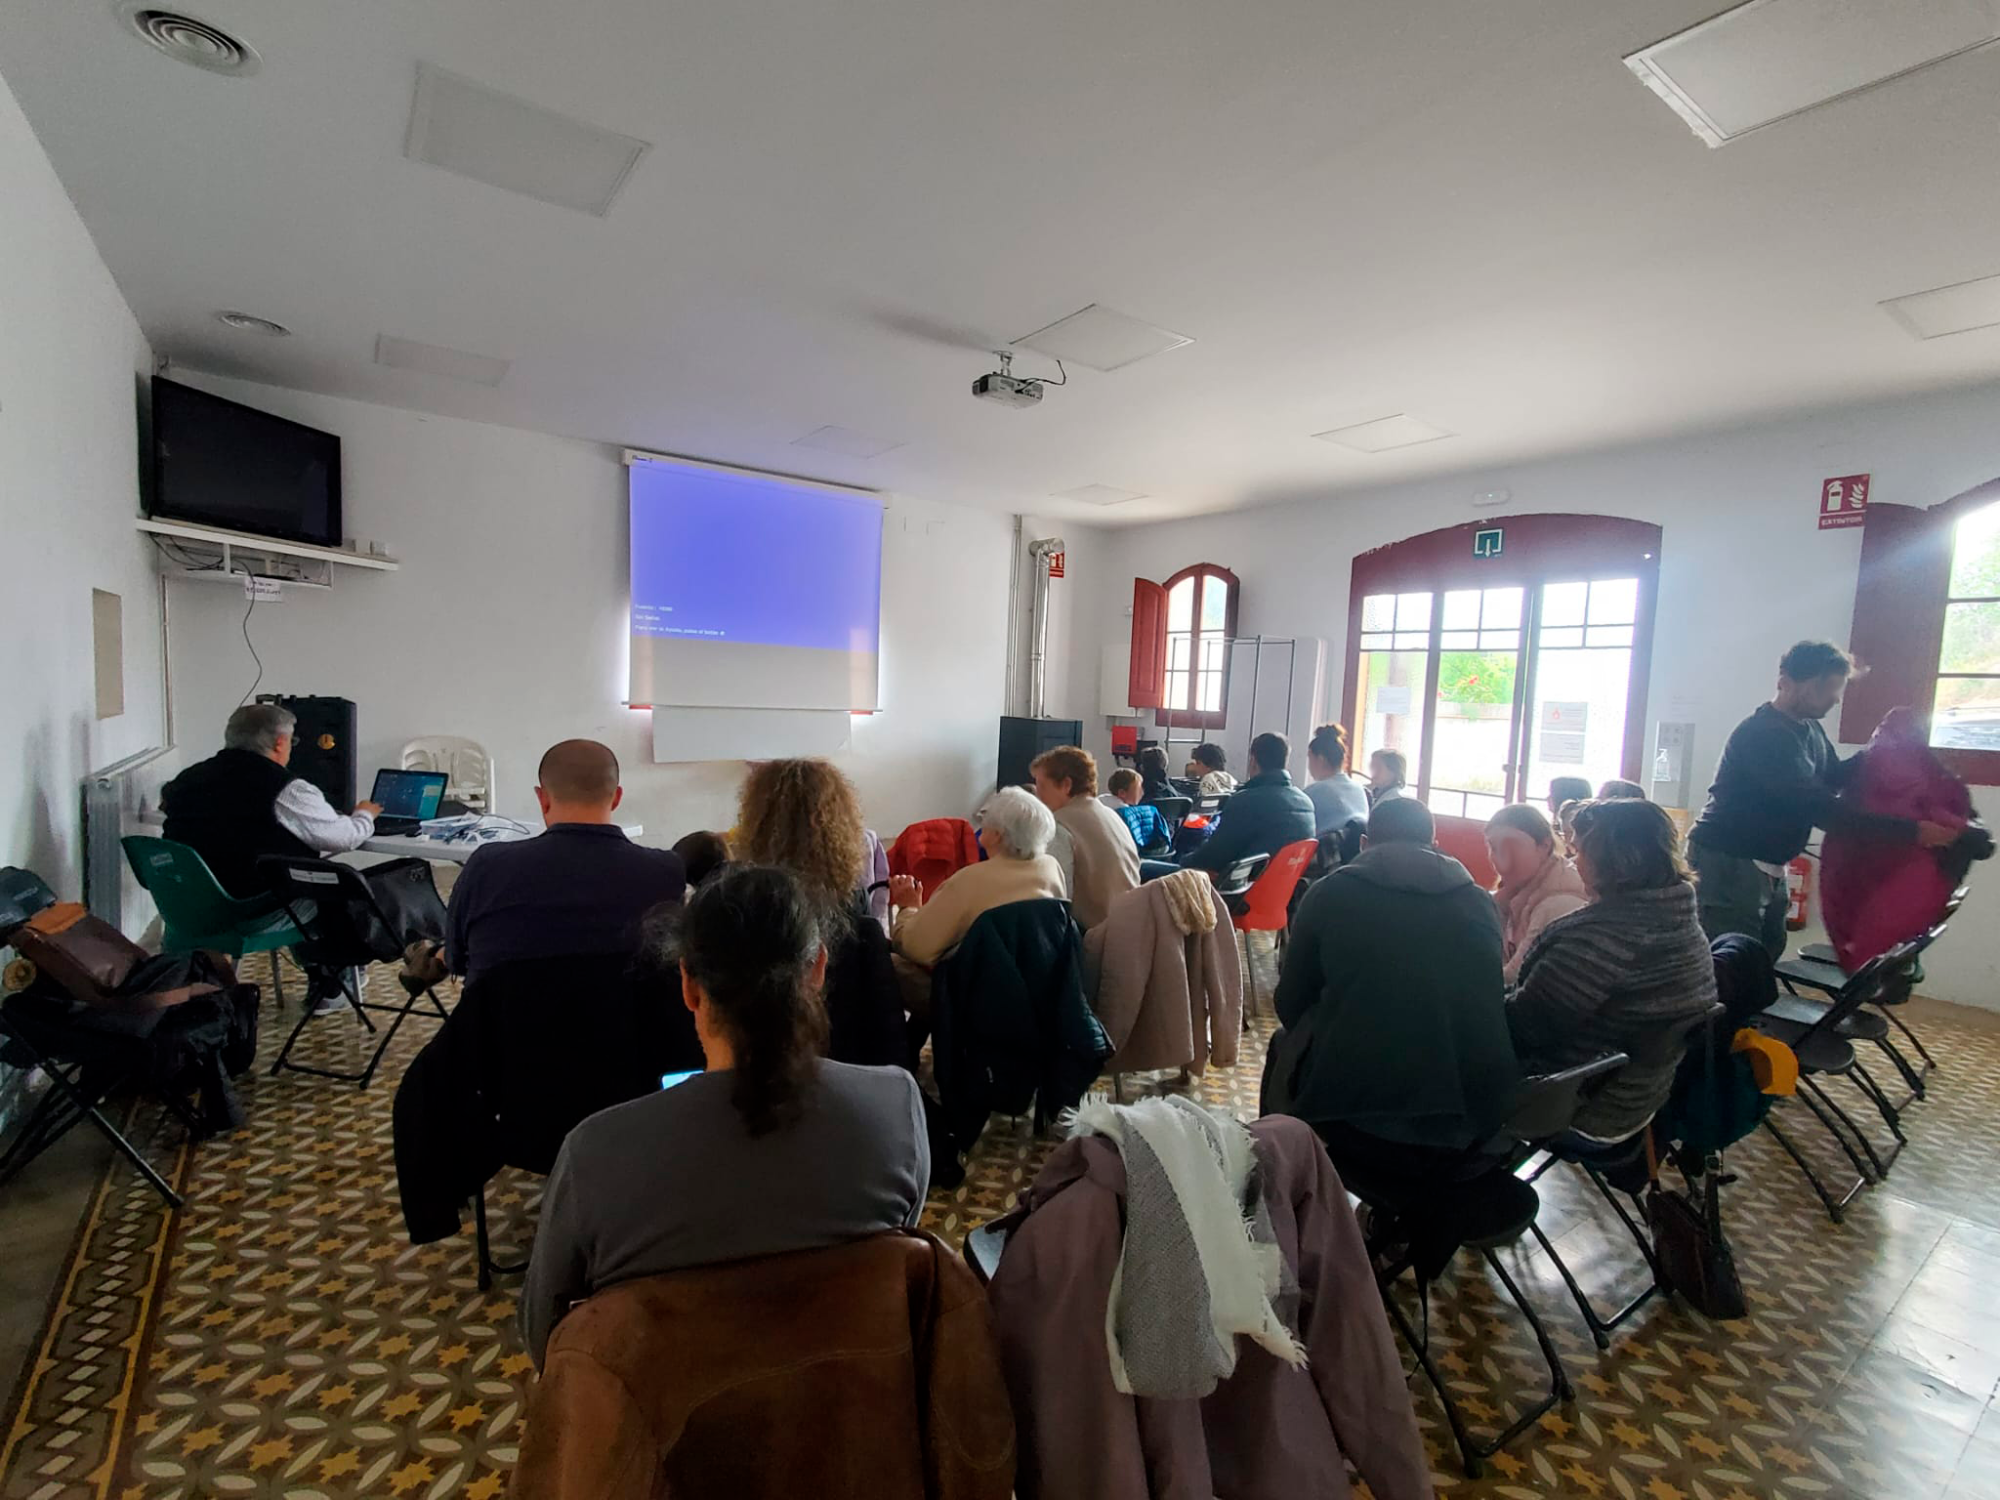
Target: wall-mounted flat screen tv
x,y
220,463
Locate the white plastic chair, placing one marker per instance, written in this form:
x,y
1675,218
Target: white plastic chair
x,y
468,769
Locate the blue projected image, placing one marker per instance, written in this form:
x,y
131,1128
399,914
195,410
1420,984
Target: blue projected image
x,y
738,557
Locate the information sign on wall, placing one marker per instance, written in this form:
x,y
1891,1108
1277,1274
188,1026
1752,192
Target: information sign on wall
x,y
1561,740
1843,502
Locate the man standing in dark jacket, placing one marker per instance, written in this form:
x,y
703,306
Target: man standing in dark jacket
x,y
1263,815
1396,1047
1780,778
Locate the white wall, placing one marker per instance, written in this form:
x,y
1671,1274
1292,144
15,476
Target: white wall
x,y
1743,570
507,622
1071,675
72,367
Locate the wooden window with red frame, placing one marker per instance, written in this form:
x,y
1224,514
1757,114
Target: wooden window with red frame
x,y
1181,632
1927,627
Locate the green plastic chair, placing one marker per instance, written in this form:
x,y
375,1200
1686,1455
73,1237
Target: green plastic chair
x,y
199,914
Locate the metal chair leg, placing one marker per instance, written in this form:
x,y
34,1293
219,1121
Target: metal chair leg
x,y
1891,1116
83,1099
1835,1210
483,1246
1468,1451
1814,1099
1860,1136
1930,1063
1913,1080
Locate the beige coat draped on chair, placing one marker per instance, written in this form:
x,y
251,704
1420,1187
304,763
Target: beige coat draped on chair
x,y
1163,976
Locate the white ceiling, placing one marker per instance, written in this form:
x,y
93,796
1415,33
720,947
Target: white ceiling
x,y
1468,213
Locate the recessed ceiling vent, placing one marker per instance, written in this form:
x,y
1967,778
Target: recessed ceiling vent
x,y
244,322
191,40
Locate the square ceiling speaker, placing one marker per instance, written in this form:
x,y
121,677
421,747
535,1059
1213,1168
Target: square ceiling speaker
x,y
1383,434
1962,308
1098,338
846,442
504,142
1768,60
1100,494
435,359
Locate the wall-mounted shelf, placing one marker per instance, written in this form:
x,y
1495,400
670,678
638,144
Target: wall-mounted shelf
x,y
242,543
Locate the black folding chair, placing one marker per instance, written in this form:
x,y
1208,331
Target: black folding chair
x,y
555,1040
346,928
1174,810
1417,1226
1823,1050
85,1065
1816,968
1613,1169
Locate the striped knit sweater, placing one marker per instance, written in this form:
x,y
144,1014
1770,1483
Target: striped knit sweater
x,y
1614,977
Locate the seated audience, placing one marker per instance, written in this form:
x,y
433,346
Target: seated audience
x,y
1388,775
1209,768
804,817
580,887
1396,1040
1149,828
1266,813
244,802
1092,845
1537,881
1154,781
1337,798
1619,974
1015,830
1616,790
770,1149
702,854
1566,789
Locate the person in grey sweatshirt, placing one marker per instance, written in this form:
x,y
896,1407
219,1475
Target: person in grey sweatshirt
x,y
772,1148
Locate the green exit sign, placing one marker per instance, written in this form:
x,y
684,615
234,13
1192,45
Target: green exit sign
x,y
1488,543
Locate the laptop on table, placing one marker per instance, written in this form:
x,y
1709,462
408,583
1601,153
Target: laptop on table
x,y
408,799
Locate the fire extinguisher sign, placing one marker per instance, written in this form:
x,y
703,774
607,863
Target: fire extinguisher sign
x,y
1843,502
1055,565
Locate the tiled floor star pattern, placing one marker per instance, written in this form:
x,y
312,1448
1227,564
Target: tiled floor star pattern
x,y
281,1337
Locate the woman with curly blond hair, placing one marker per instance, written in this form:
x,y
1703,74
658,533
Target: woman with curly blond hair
x,y
803,816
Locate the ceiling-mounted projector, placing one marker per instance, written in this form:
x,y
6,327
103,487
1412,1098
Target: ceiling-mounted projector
x,y
1004,386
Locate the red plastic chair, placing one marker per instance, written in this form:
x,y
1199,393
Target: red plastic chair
x,y
934,850
1266,904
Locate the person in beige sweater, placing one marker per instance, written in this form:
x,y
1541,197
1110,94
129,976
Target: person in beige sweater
x,y
1014,830
1103,859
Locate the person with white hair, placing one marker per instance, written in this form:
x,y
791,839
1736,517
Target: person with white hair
x,y
245,801
1015,829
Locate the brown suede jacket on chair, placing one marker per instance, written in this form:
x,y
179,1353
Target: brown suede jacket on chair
x,y
868,1369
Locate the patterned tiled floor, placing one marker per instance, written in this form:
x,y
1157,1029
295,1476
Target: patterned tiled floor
x,y
280,1337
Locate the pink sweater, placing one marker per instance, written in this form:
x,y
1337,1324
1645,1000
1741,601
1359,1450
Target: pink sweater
x,y
1555,890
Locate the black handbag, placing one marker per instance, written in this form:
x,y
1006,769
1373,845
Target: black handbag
x,y
1690,1249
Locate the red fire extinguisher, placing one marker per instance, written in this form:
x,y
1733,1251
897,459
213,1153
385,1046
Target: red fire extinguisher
x,y
1798,886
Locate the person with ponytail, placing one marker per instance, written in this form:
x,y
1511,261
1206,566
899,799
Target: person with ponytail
x,y
771,1148
1337,798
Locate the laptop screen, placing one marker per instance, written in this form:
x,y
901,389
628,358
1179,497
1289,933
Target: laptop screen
x,y
409,794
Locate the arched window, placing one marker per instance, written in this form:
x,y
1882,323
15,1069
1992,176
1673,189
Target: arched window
x,y
1497,655
1201,622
